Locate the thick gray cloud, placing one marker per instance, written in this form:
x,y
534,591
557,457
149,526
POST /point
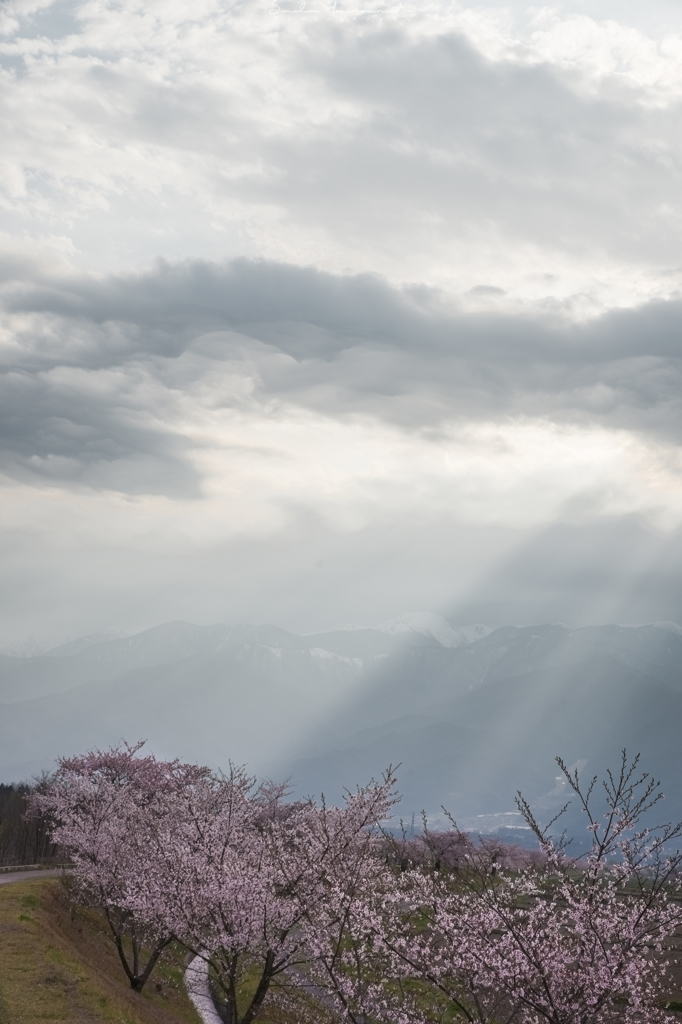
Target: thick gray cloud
x,y
64,430
93,380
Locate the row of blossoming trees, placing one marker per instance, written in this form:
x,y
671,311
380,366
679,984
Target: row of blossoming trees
x,y
297,901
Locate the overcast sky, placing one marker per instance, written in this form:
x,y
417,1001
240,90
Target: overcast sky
x,y
316,313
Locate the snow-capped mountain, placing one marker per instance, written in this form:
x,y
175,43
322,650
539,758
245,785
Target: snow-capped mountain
x,y
430,624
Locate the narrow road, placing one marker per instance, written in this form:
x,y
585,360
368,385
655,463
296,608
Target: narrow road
x,y
24,876
196,983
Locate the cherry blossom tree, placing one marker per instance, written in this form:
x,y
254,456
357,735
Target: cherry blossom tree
x,y
242,876
282,896
210,880
559,939
104,806
234,871
329,858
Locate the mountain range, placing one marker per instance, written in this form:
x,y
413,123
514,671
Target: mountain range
x,y
470,714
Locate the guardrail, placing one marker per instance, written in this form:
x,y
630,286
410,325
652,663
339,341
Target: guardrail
x,y
5,868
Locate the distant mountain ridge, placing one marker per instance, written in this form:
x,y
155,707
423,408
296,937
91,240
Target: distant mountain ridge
x,y
471,713
73,664
429,624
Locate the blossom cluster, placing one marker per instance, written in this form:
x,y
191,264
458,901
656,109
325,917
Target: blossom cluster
x,y
298,900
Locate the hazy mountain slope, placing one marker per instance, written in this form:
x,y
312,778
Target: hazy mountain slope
x,y
493,716
425,679
359,643
248,703
24,678
81,643
505,736
55,672
470,724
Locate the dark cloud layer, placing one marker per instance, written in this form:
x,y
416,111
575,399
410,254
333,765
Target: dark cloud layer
x,y
93,359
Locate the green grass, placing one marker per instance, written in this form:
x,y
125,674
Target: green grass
x,y
59,966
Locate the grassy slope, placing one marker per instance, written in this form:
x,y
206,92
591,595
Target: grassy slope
x,y
57,968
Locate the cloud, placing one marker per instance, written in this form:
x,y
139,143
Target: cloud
x,y
536,154
203,435
113,353
275,287
73,426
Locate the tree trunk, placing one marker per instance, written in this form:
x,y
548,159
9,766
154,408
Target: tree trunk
x,y
137,980
262,990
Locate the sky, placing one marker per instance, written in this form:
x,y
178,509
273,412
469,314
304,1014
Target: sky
x,y
314,313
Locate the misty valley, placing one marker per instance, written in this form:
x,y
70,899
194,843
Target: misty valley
x,y
469,714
